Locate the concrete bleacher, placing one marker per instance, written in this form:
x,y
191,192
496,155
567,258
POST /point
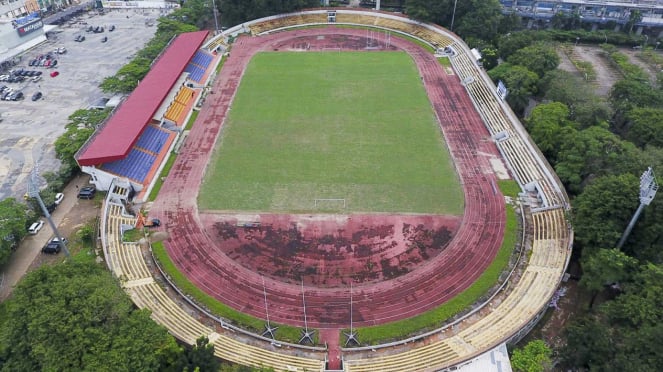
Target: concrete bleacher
x,y
135,166
152,139
127,261
416,359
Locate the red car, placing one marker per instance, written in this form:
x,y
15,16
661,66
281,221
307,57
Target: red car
x,y
54,73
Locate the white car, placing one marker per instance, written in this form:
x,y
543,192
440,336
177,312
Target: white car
x,y
58,198
35,227
35,78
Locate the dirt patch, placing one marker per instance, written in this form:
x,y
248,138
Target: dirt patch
x,y
374,40
331,250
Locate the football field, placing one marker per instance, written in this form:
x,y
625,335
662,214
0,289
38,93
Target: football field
x,y
331,132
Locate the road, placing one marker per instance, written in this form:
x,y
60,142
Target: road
x,y
70,215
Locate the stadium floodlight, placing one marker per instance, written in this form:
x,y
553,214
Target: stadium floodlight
x,y
216,21
352,335
453,16
269,330
648,188
307,334
33,191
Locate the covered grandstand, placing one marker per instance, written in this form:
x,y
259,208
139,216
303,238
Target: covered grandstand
x,y
136,138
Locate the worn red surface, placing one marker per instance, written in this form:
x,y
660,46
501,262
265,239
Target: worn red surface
x,y
396,271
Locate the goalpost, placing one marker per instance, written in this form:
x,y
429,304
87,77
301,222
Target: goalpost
x,y
329,203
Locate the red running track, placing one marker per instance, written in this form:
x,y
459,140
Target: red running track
x,y
473,248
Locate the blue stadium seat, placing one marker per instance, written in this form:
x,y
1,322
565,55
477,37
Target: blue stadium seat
x,y
135,166
152,139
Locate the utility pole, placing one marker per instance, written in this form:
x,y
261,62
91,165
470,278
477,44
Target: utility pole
x,y
648,187
33,191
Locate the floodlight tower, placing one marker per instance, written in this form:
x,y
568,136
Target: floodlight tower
x,y
269,330
33,191
216,20
648,187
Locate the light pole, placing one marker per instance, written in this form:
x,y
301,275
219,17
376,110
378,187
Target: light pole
x,y
648,187
577,40
33,191
216,21
657,43
453,16
606,37
646,40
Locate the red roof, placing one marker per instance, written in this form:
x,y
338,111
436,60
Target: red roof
x,y
121,131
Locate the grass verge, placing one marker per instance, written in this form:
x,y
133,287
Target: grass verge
x,y
434,318
284,332
162,176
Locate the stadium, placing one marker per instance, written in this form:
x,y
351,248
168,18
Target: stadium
x,y
321,259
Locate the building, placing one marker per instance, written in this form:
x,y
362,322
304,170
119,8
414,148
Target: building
x,y
595,11
19,34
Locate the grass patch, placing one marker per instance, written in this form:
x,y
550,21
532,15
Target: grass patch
x,y
509,188
357,126
163,175
444,61
192,119
284,333
434,318
220,65
133,235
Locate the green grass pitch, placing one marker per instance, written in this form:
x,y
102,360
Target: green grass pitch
x,y
354,125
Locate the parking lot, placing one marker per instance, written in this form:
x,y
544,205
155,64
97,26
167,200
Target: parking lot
x,y
28,129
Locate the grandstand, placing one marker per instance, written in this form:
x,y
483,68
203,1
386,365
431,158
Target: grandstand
x,y
524,301
136,138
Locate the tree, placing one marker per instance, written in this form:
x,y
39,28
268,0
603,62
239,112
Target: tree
x,y
594,152
81,125
520,81
538,58
604,209
644,126
604,267
628,94
589,344
489,57
13,222
534,357
545,126
74,316
585,107
200,357
513,41
478,18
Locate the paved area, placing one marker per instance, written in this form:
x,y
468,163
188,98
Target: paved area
x,y
70,215
28,128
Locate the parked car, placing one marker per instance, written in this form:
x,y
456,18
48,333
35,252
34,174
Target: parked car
x,y
53,246
35,227
18,96
104,39
111,28
59,196
87,192
36,96
35,79
60,50
79,38
54,73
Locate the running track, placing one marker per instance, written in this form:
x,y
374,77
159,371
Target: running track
x,y
475,244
